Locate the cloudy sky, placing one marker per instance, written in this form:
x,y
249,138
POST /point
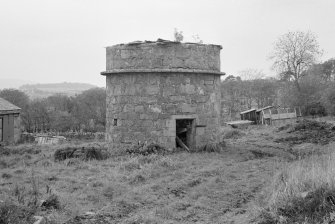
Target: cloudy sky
x,y
45,41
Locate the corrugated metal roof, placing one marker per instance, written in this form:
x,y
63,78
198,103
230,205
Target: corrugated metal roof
x,y
7,106
264,108
247,111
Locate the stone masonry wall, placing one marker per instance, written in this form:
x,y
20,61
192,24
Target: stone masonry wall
x,y
146,106
150,85
163,55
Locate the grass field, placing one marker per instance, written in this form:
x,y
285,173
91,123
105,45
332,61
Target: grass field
x,y
236,185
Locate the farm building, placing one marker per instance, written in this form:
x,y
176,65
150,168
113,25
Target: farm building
x,y
161,92
9,122
270,115
273,116
249,115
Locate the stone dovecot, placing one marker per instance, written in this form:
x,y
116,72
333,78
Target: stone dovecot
x,y
162,91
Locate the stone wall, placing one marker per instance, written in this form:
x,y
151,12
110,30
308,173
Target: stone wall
x,y
163,55
151,85
147,105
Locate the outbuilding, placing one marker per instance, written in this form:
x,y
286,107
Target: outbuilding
x,y
9,122
249,115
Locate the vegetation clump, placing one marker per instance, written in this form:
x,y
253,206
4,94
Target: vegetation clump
x,y
84,153
52,202
311,125
19,150
143,149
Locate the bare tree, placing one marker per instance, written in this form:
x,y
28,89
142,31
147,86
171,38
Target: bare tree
x,y
250,74
294,53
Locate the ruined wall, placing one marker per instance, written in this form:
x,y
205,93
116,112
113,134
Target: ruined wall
x,y
163,55
151,85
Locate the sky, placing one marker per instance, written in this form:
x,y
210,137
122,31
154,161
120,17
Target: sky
x,y
47,41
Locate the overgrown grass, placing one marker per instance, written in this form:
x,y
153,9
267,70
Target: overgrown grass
x,y
303,192
158,187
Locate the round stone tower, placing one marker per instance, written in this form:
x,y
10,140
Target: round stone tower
x,y
161,92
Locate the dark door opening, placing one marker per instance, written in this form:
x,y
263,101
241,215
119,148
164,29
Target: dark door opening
x,y
185,131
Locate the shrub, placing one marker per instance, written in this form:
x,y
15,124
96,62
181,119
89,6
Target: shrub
x,y
314,109
84,153
93,153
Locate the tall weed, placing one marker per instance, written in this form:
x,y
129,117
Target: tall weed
x,y
303,191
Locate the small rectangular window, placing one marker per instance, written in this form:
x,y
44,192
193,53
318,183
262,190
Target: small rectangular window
x,y
114,122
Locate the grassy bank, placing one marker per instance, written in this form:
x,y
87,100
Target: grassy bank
x,y
303,191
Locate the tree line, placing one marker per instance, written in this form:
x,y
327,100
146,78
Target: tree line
x,y
302,80
83,112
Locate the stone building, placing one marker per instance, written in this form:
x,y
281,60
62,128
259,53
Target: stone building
x,y
157,91
9,122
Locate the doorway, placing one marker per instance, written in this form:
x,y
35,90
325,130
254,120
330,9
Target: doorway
x,y
185,132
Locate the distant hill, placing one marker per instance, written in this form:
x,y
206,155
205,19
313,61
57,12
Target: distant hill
x,y
48,89
13,83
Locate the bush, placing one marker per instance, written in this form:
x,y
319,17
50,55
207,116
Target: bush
x,y
84,153
314,109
